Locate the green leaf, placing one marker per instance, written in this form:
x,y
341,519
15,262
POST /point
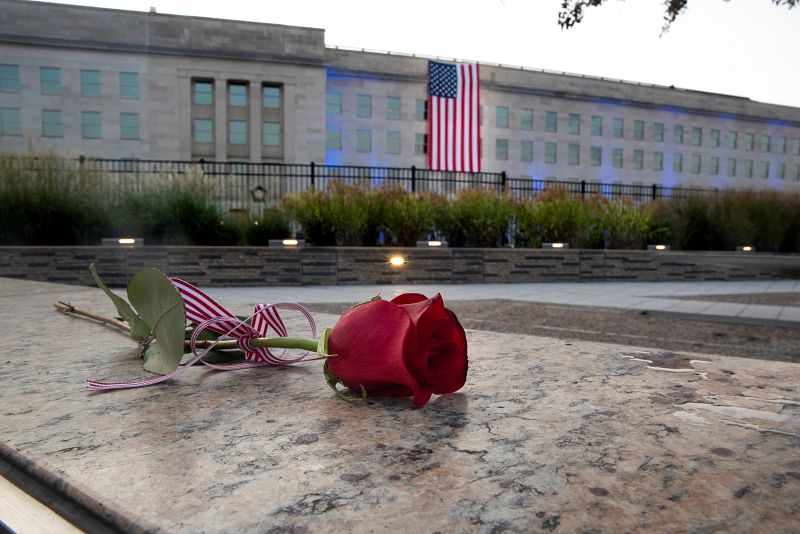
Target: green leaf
x,y
159,304
334,381
322,348
140,330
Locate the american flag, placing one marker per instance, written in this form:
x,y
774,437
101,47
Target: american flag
x,y
453,118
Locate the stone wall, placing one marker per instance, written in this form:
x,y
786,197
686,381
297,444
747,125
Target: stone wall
x,y
264,266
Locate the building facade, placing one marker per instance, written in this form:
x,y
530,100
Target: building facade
x,y
119,84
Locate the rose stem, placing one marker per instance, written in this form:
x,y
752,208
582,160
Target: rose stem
x,y
310,345
63,307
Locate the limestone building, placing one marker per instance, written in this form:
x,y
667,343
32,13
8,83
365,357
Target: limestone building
x,y
120,84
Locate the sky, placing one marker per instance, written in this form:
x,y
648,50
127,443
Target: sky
x,y
745,48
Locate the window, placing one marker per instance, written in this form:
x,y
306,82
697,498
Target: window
x,y
677,134
421,110
501,117
392,142
526,119
658,161
10,121
271,96
658,132
237,95
550,153
596,156
715,138
618,128
766,142
797,173
780,145
501,149
763,170
696,164
9,79
333,103
731,167
748,168
50,81
203,131
782,171
90,125
551,122
638,159
526,150
237,132
677,163
638,130
90,83
129,126
51,123
714,165
128,85
697,136
573,154
393,105
795,147
364,141
732,139
616,158
749,141
420,143
203,93
271,134
574,126
364,107
333,139
597,125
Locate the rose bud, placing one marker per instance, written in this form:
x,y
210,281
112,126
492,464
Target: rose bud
x,y
410,346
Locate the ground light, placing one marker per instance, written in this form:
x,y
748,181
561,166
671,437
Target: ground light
x,y
123,242
658,248
745,248
434,244
555,245
397,261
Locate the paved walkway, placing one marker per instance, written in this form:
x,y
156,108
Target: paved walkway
x,y
655,297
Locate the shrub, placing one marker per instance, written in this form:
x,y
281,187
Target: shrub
x,y
477,217
339,217
271,225
555,216
410,217
628,226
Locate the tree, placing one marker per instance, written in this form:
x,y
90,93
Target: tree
x,y
572,10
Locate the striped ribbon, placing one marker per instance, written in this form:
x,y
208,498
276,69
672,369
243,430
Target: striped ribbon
x,y
207,314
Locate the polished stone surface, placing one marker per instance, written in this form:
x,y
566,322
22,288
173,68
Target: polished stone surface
x,y
547,435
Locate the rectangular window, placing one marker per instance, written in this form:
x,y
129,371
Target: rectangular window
x,y
51,123
421,110
271,96
501,149
638,130
638,159
795,147
763,170
364,106
731,167
420,143
90,83
526,119
91,125
393,142
237,95
333,139
50,81
780,145
749,141
526,150
714,138
393,105
782,171
573,154
714,164
550,153
596,156
237,132
333,103
697,136
203,92
129,85
597,125
203,131
677,134
616,158
658,161
10,121
551,122
677,163
574,126
766,142
797,173
129,126
364,141
748,168
501,117
658,132
618,128
271,134
696,163
732,139
9,78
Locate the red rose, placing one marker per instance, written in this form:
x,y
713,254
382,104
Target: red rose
x,y
411,346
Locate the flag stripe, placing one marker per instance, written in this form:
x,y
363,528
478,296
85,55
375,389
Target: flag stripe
x,y
453,117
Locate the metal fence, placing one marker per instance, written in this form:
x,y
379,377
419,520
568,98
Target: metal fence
x,y
250,186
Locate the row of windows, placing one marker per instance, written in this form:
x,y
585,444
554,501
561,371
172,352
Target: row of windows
x,y
203,94
52,124
203,132
50,82
364,107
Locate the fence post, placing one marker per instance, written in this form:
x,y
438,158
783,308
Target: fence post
x,y
583,188
312,175
502,181
413,178
655,191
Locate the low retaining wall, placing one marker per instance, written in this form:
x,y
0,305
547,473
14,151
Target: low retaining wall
x,y
264,266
